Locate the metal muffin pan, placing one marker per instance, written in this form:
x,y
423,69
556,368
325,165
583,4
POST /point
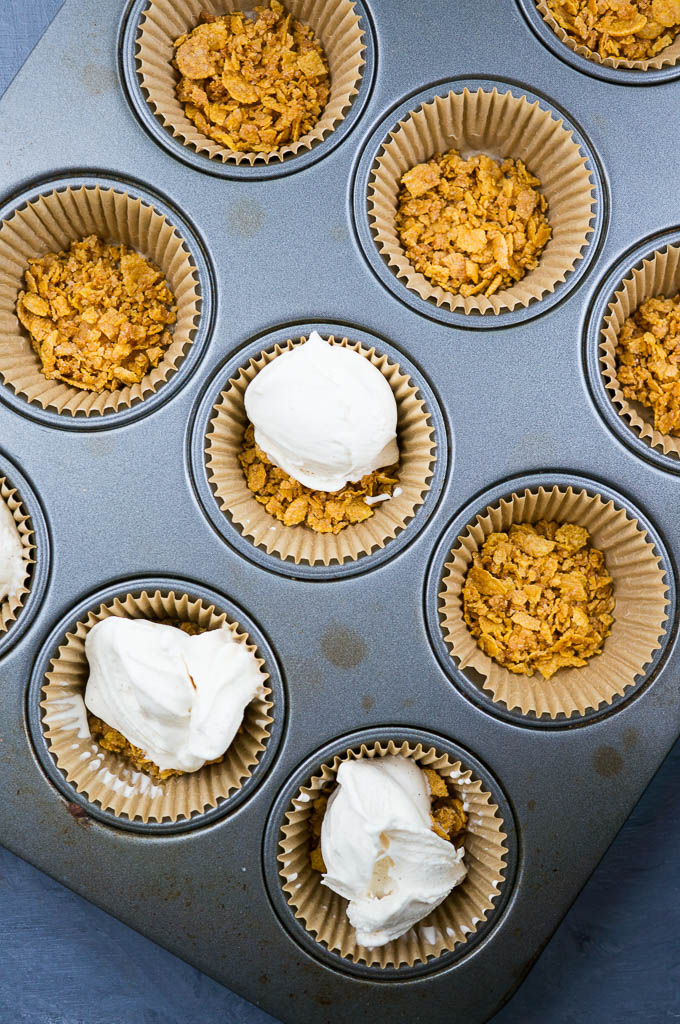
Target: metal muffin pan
x,y
359,652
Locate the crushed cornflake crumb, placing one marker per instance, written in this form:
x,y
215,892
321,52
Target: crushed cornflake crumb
x,y
648,360
624,29
472,226
293,504
252,84
539,598
98,314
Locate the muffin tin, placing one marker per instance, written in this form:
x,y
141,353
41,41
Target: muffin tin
x,y
122,502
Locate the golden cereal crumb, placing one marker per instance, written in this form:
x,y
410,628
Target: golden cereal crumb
x,y
627,29
539,598
97,314
648,360
472,226
253,85
292,503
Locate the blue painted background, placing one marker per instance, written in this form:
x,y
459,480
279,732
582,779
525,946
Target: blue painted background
x,y
614,960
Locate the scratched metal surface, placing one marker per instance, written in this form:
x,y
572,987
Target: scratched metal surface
x,y
556,997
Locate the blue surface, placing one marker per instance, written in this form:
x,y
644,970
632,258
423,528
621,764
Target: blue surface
x,y
615,958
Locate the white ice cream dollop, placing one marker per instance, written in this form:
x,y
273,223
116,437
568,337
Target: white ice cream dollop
x,y
324,414
380,851
179,698
12,562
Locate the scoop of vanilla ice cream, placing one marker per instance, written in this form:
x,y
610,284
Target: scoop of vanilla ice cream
x,y
324,414
179,698
12,562
380,851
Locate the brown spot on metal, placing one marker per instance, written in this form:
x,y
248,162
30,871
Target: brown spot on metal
x,y
607,762
77,812
343,647
263,979
630,738
532,805
367,703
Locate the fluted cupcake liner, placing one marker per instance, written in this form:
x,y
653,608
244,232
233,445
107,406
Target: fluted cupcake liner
x,y
658,275
640,592
11,606
323,912
500,125
108,779
336,24
415,436
50,224
665,58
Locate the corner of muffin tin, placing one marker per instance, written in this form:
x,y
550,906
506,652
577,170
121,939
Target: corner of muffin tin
x,y
361,179
199,425
40,569
615,76
597,311
296,929
464,679
137,100
222,604
200,258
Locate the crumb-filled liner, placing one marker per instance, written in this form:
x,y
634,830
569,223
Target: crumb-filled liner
x,y
658,275
323,912
336,24
640,614
415,436
499,125
107,778
665,58
50,224
11,606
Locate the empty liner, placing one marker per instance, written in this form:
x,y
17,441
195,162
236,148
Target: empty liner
x,y
49,224
324,913
667,57
11,606
108,779
415,436
658,275
639,616
337,26
500,125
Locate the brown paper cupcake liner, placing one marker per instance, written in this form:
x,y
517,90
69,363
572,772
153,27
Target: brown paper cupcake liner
x,y
50,224
667,57
415,436
11,606
640,592
323,912
107,778
336,24
658,275
500,125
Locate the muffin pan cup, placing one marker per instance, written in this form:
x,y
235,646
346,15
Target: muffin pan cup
x,y
122,503
449,931
663,67
146,49
105,784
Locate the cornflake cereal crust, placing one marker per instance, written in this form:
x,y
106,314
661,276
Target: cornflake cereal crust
x,y
472,226
252,85
539,598
648,360
626,29
97,314
292,503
